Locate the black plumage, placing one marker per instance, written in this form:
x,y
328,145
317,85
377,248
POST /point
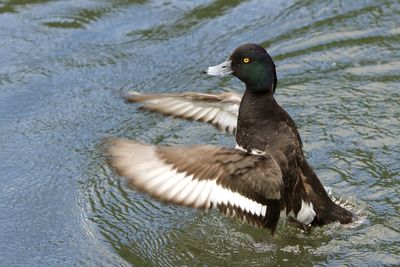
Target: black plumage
x,y
267,172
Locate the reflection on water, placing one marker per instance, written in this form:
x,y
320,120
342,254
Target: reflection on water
x,y
64,63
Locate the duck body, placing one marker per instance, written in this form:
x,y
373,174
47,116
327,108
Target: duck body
x,y
262,130
265,127
265,174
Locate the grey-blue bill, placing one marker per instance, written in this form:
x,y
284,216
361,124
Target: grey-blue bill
x,y
222,69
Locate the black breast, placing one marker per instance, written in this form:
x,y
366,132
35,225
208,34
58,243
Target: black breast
x,y
259,122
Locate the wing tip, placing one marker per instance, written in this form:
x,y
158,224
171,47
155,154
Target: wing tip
x,y
118,152
132,96
107,144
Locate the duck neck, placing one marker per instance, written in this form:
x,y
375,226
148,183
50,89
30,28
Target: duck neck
x,y
258,104
260,90
257,113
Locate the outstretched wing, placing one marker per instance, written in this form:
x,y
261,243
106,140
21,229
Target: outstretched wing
x,y
220,110
238,184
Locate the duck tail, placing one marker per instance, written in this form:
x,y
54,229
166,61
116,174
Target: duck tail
x,y
326,210
337,213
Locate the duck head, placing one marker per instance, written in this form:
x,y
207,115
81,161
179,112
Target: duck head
x,y
252,65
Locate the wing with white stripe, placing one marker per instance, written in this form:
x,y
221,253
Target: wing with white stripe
x,y
220,110
238,184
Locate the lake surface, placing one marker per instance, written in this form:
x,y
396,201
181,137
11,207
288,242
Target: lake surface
x,y
63,65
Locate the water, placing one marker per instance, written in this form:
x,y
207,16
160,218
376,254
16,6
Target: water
x,y
64,63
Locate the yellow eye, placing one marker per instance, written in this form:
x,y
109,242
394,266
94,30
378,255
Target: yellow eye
x,y
246,60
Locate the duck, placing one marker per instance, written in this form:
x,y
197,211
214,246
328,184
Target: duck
x,y
264,177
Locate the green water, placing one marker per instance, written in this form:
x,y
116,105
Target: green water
x,y
63,65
